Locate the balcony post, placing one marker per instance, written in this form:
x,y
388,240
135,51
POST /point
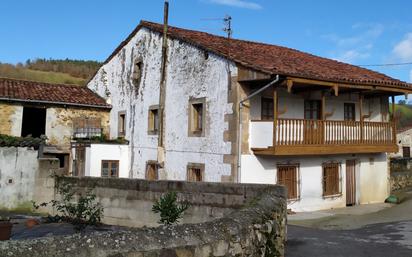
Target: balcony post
x,y
275,114
323,114
393,120
361,116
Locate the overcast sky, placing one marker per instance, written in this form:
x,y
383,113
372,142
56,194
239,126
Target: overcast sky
x,y
353,31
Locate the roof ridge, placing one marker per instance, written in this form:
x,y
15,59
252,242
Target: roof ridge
x,y
270,58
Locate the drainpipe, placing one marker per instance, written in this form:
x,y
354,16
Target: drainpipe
x,y
239,140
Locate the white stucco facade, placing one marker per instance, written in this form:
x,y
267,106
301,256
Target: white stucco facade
x,y
190,74
96,153
372,176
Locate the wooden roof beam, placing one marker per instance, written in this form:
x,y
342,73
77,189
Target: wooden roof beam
x,y
344,85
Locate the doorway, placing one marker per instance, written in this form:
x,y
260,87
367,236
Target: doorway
x,y
313,130
34,122
350,182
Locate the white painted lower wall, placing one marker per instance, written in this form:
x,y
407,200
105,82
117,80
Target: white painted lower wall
x,y
18,169
372,178
96,153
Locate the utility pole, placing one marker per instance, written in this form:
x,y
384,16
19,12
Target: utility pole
x,y
162,90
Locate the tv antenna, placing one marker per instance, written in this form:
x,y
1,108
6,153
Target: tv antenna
x,y
228,26
227,22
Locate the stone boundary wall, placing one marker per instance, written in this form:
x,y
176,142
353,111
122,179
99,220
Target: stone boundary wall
x,y
401,173
401,180
128,202
256,226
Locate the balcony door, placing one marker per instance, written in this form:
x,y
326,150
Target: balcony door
x,y
313,129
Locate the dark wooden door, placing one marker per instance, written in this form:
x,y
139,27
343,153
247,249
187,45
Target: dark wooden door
x,y
350,182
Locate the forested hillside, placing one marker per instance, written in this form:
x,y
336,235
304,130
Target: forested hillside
x,y
52,71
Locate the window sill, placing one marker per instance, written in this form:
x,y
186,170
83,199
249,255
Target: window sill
x,y
196,134
332,196
153,133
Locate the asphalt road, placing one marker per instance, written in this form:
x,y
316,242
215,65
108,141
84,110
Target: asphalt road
x,y
378,240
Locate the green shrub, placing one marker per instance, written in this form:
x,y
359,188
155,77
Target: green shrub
x,y
81,213
169,209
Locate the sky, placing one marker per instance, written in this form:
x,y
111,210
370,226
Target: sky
x,y
359,32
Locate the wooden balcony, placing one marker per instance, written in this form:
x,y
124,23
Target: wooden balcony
x,y
321,137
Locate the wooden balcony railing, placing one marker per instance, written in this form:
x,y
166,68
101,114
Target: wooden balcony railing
x,y
329,132
300,136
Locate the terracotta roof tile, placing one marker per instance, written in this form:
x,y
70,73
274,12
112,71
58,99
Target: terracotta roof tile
x,y
274,59
30,91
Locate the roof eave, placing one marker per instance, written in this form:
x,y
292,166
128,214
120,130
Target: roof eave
x,y
7,99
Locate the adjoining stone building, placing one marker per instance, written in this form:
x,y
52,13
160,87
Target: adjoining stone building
x,y
319,126
59,112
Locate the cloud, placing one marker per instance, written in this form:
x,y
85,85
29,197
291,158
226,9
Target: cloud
x,y
403,49
238,3
355,47
350,56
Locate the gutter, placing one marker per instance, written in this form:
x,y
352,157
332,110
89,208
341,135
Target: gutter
x,y
54,103
239,140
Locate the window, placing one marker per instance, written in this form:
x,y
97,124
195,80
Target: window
x,y
331,179
267,109
406,150
349,111
110,169
137,72
195,172
34,122
197,117
153,127
86,127
313,110
122,124
152,170
287,175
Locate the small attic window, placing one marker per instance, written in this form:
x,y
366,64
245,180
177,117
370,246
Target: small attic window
x,y
206,53
137,72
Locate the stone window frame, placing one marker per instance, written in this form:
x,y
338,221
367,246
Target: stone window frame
x,y
120,124
154,164
151,130
191,119
189,169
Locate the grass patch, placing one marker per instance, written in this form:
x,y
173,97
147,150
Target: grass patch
x,y
40,76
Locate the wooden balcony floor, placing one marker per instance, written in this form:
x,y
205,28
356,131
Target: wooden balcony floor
x,y
288,150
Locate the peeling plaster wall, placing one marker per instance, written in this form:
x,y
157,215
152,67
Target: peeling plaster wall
x,y
189,75
372,176
18,167
11,119
59,123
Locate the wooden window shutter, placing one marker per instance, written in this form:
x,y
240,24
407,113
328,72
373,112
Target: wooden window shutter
x,y
331,179
288,176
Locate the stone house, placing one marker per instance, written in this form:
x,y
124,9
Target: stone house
x,y
62,113
200,107
404,141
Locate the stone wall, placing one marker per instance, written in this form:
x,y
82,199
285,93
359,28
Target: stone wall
x,y
401,180
255,226
401,174
128,202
